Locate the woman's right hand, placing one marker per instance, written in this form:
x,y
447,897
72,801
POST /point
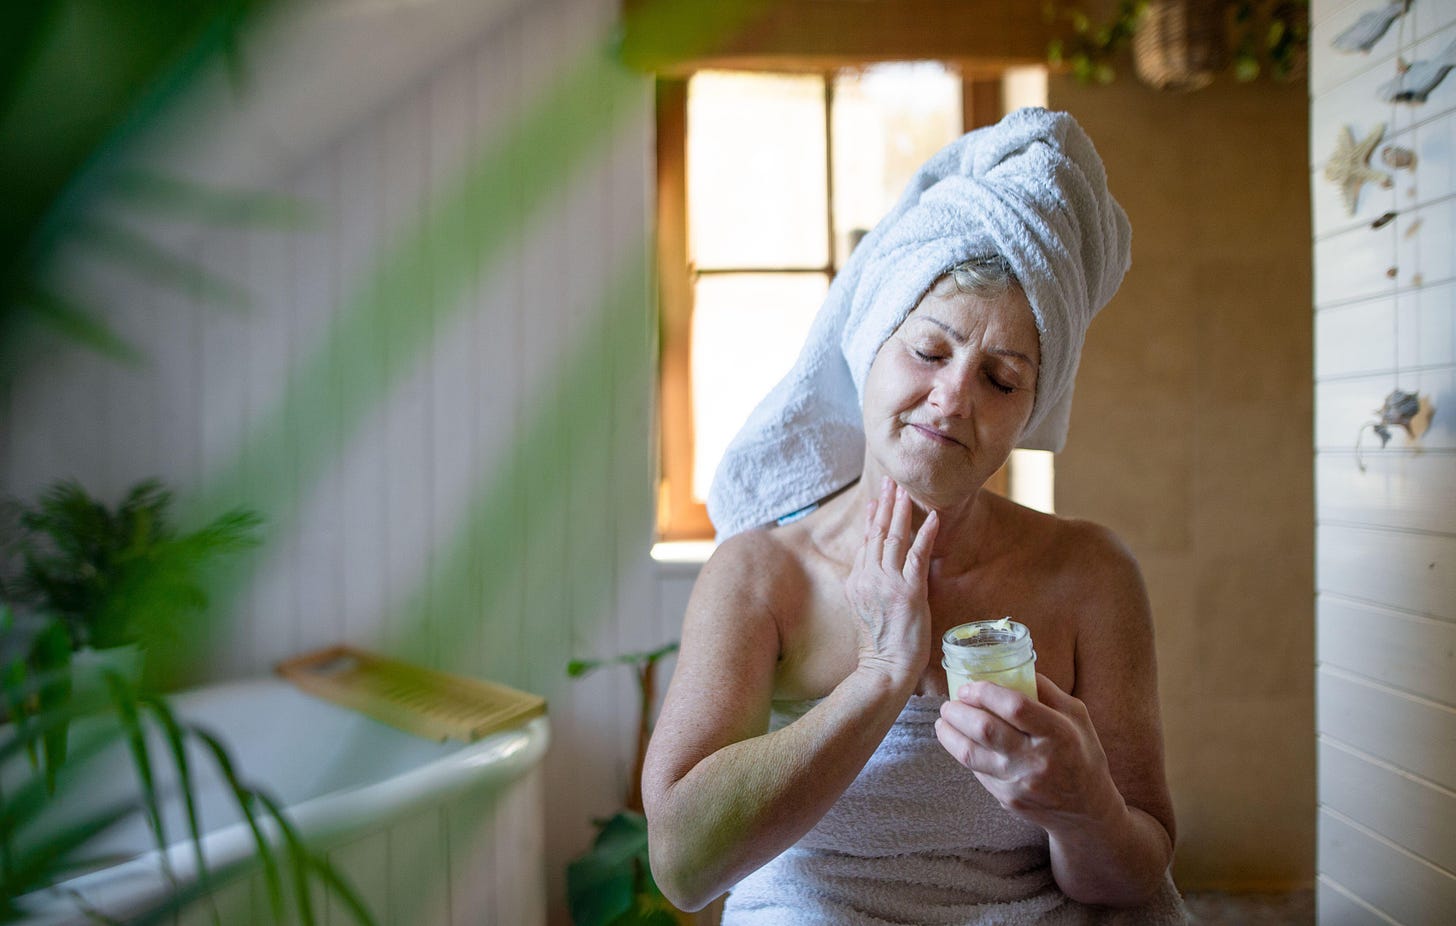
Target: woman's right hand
x,y
888,587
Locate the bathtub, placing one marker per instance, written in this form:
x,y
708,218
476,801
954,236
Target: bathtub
x,y
425,832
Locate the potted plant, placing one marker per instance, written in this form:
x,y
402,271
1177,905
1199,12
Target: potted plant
x,y
1183,44
88,588
612,884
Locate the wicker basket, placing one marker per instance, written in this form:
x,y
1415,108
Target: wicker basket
x,y
1181,44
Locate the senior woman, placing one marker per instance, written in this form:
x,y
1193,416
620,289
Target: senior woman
x,y
809,758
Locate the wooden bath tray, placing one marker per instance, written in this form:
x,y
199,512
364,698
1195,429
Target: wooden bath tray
x,y
435,705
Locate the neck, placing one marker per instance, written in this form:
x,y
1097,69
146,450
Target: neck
x,y
965,522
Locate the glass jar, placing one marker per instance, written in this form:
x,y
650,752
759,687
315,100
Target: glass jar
x,y
989,651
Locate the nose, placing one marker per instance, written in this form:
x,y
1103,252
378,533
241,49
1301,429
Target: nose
x,y
951,392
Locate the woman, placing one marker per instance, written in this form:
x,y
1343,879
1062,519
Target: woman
x,y
809,757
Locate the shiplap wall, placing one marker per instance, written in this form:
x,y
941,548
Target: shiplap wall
x,y
1385,317
381,526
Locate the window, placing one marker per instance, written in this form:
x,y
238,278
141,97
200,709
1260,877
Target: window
x,y
766,181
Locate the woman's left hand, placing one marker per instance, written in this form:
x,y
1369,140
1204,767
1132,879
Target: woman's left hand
x,y
1043,762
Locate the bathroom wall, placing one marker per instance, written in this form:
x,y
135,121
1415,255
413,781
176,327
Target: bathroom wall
x,y
1190,438
437,391
1385,318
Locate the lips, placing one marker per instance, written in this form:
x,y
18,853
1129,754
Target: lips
x,y
935,434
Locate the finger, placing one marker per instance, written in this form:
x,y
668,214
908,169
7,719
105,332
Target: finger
x,y
967,751
917,561
983,728
874,540
1014,708
886,507
897,539
1051,695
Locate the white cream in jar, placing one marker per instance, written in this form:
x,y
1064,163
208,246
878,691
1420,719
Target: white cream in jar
x,y
989,651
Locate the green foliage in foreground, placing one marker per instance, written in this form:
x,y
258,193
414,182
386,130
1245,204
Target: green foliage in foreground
x,y
32,858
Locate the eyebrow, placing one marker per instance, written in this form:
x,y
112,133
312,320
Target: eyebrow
x,y
960,338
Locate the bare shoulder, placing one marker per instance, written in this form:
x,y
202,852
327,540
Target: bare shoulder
x,y
1097,560
1087,559
751,574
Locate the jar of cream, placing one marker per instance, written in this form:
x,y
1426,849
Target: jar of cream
x,y
990,651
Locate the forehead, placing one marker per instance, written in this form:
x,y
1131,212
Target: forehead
x,y
1007,317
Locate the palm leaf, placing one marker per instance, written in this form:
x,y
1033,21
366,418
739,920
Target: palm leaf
x,y
243,796
175,741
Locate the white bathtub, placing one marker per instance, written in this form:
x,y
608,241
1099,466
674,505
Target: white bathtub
x,y
426,832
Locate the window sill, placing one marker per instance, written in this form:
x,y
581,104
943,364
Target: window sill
x,y
683,557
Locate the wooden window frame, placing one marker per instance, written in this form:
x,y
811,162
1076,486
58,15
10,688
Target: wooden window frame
x,y
680,517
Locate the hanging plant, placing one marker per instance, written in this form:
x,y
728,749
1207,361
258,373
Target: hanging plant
x,y
1182,44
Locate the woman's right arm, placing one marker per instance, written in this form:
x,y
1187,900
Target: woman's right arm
x,y
722,796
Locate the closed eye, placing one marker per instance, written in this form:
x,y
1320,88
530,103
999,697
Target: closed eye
x,y
927,357
1004,387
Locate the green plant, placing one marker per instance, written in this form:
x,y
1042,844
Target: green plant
x,y
1093,46
612,884
1264,37
111,576
82,575
31,861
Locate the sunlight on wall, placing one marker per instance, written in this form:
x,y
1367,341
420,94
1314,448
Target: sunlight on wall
x,y
1031,479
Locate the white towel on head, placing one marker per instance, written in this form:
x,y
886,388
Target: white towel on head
x,y
1030,188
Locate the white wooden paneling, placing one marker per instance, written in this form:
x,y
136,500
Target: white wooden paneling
x,y
1387,535
1354,265
1433,175
1404,651
361,465
1423,244
496,344
315,423
419,869
1413,491
223,418
449,98
1409,571
1358,338
1335,906
1321,10
1427,326
271,469
1409,733
1394,882
408,301
1397,806
1433,16
365,862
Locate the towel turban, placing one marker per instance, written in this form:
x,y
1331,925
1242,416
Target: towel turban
x,y
1030,188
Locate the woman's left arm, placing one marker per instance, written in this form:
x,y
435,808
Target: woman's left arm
x,y
1087,767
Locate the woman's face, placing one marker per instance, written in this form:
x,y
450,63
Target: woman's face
x,y
949,393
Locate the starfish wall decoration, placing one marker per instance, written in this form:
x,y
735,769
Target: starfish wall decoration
x,y
1349,167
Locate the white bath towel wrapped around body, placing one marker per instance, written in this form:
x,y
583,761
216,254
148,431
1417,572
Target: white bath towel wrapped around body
x,y
916,840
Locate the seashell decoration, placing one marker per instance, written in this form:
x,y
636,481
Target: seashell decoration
x,y
1414,82
1398,157
1370,28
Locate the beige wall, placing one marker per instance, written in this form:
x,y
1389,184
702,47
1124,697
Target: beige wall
x,y
1191,437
